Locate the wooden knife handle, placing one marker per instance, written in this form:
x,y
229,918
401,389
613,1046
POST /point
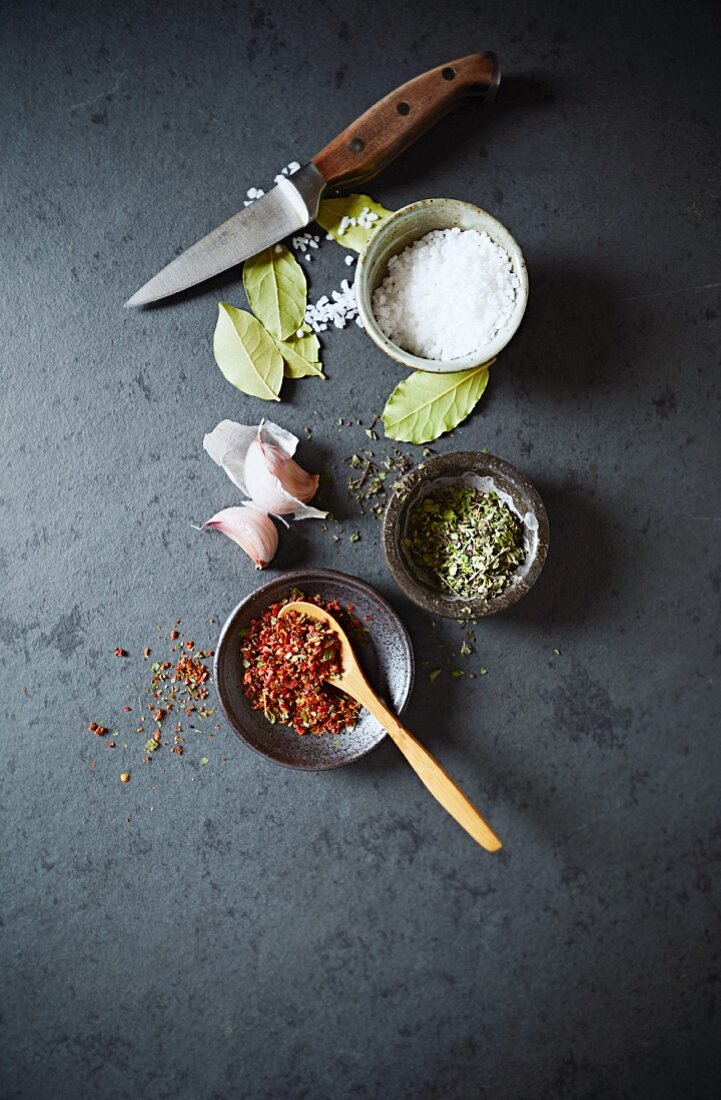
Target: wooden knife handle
x,y
394,123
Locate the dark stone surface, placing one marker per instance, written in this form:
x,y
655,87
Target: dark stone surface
x,y
258,933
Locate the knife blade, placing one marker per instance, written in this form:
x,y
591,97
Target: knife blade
x,y
356,155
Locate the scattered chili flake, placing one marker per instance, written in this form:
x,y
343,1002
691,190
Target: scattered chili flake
x,y
174,634
111,745
125,777
126,709
99,731
121,652
190,645
93,726
287,663
146,653
177,749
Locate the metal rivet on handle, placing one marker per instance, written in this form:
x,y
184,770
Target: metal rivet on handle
x,y
357,145
448,73
403,108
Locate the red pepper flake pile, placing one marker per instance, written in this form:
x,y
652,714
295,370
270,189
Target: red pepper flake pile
x,y
286,664
176,697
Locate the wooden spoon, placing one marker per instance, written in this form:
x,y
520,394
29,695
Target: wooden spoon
x,y
429,771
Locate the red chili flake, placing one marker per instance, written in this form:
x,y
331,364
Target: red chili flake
x,y
190,645
125,777
99,731
177,749
287,662
174,634
191,672
110,745
158,714
156,735
146,653
121,653
127,708
93,726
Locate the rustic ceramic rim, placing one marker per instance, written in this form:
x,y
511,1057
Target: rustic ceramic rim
x,y
322,576
405,494
397,231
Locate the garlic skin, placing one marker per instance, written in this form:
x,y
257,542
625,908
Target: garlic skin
x,y
250,528
259,460
276,482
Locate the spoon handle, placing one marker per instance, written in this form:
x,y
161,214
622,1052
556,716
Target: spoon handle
x,y
434,777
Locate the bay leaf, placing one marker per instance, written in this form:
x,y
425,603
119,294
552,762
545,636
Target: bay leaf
x,y
424,405
332,211
246,353
275,284
301,355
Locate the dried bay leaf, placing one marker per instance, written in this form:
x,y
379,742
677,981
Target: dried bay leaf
x,y
301,355
247,354
332,211
275,284
426,405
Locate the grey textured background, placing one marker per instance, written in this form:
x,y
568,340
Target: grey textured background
x,y
257,933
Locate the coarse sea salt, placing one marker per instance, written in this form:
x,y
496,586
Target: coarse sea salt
x,y
447,294
337,310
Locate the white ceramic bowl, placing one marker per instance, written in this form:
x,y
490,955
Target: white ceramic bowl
x,y
399,230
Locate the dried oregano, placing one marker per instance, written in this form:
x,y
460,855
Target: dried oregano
x,y
468,540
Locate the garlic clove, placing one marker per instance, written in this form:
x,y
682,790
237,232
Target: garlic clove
x,y
250,528
271,476
259,460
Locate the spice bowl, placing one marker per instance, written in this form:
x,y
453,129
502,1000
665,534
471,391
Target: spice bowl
x,y
401,229
385,654
485,472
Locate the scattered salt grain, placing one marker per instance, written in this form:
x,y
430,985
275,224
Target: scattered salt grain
x,y
447,294
365,220
303,241
254,193
349,261
338,310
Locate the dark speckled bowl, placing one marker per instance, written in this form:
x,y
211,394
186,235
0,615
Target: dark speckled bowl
x,y
386,657
443,469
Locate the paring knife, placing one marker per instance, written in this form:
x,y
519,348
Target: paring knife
x,y
356,155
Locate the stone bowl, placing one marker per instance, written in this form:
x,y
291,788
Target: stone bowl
x,y
488,472
385,655
399,230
